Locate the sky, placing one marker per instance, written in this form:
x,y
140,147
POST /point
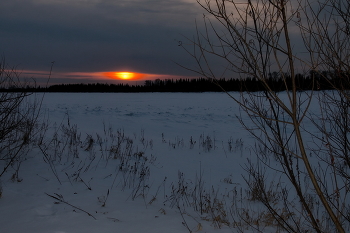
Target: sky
x,y
85,40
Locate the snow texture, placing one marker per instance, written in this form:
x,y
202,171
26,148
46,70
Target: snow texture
x,y
194,136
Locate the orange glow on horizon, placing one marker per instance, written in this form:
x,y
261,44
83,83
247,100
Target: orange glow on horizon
x,y
124,75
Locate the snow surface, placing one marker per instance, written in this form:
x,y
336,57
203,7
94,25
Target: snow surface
x,y
162,125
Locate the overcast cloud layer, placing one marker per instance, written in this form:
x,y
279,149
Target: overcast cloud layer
x,y
97,35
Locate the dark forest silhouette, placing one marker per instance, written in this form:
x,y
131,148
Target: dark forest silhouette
x,y
312,81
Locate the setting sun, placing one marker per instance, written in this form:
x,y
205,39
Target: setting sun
x,y
124,75
132,76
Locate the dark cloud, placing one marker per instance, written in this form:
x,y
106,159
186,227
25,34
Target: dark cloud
x,y
93,36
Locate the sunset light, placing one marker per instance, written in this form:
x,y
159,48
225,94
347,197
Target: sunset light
x,y
124,75
131,76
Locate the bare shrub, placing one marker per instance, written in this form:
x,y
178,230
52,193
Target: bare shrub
x,y
18,120
255,39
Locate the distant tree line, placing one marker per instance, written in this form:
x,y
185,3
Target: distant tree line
x,y
279,82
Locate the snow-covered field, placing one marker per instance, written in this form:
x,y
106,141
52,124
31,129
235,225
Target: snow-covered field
x,y
129,162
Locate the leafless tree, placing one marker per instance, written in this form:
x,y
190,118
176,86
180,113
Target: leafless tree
x,y
253,39
18,119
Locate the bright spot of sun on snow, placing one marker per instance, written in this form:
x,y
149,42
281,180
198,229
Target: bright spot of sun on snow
x,y
124,75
